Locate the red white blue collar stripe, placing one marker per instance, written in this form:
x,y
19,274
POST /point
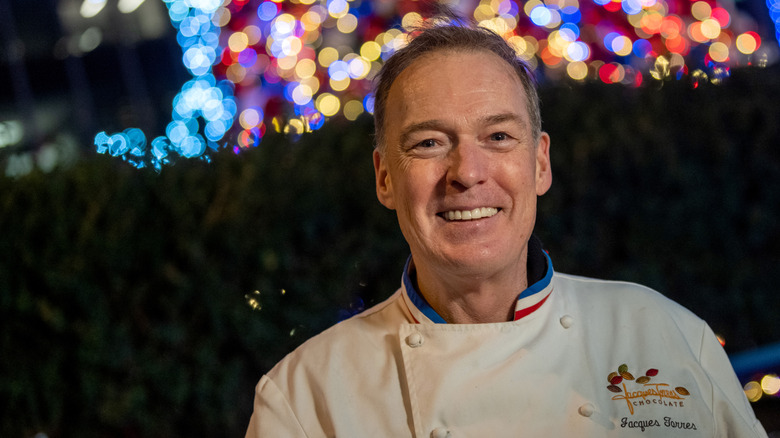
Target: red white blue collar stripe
x,y
528,301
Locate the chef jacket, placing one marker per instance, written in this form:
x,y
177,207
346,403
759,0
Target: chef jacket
x,y
586,358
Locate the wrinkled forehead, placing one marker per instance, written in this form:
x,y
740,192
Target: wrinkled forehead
x,y
454,76
460,54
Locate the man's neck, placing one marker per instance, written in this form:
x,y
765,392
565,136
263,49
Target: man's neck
x,y
471,300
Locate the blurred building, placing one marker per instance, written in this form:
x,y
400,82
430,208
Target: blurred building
x,y
73,67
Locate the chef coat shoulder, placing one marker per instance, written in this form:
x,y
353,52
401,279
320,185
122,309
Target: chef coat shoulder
x,y
634,316
622,302
364,331
322,385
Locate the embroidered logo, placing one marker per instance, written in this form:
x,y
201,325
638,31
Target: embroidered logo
x,y
644,390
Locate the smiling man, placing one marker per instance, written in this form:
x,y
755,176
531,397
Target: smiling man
x,y
484,338
462,167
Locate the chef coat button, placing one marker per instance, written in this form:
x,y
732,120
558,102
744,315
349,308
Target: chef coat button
x,y
587,410
567,321
440,432
414,340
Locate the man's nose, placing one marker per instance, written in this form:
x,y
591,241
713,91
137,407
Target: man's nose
x,y
468,165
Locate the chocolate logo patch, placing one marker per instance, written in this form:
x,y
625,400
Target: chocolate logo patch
x,y
644,390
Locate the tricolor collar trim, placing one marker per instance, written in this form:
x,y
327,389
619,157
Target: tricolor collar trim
x,y
525,304
416,298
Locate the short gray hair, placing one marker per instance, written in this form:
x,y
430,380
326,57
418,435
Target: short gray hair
x,y
457,35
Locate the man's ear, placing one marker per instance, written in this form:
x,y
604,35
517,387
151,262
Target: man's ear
x,y
543,170
384,186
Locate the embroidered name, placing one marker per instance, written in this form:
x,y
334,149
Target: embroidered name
x,y
638,424
668,422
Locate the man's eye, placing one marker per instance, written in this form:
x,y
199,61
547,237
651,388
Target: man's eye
x,y
499,136
427,143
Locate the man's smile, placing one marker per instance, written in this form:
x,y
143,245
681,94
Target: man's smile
x,y
467,215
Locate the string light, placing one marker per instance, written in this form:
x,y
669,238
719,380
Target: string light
x,y
292,64
347,45
204,109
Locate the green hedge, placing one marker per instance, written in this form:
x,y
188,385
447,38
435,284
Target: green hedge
x,y
122,292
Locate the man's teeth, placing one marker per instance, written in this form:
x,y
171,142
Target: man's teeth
x,y
467,215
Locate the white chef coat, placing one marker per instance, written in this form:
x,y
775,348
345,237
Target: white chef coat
x,y
595,359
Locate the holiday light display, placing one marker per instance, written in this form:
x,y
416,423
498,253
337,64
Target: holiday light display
x,y
289,65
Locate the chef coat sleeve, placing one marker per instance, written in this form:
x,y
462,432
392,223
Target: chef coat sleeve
x,y
272,416
732,411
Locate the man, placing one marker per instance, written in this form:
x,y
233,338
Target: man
x,y
484,339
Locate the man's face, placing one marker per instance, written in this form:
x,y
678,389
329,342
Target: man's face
x,y
459,145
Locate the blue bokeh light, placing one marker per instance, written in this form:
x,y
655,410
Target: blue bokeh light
x,y
199,98
338,70
571,14
513,10
541,16
642,48
178,11
118,144
632,7
337,6
578,51
368,103
774,14
247,58
192,146
570,31
267,11
609,39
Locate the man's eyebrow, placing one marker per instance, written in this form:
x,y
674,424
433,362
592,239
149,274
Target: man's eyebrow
x,y
495,119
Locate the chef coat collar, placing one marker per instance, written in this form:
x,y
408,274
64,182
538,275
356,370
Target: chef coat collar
x,y
540,271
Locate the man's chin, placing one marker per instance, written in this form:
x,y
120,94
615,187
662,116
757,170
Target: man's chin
x,y
475,265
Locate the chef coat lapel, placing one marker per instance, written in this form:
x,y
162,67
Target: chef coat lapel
x,y
540,273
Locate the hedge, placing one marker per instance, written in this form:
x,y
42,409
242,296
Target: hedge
x,y
124,294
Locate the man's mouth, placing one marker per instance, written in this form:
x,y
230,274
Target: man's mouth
x,y
468,215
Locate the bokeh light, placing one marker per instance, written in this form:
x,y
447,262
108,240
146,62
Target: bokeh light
x,y
353,109
204,109
701,10
328,104
770,384
90,8
290,65
577,70
719,52
748,42
753,391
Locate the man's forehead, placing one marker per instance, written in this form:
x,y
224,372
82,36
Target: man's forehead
x,y
426,70
459,55
470,79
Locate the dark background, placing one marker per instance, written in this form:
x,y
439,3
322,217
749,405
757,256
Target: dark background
x,y
124,293
123,309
